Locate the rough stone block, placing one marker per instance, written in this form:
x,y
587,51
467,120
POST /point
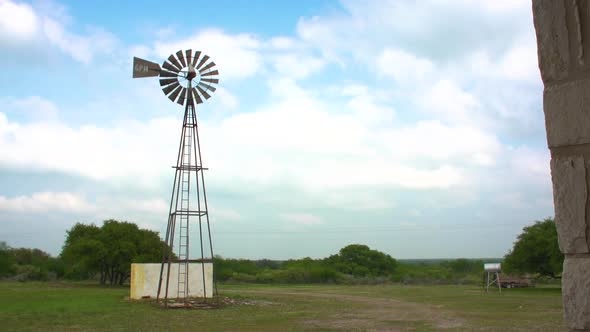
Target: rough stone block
x,y
552,39
567,113
576,292
569,196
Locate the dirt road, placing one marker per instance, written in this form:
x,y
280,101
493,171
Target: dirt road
x,y
374,314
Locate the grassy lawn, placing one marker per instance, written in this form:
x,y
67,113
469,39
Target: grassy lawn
x,y
85,307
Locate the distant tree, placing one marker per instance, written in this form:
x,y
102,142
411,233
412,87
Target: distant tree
x,y
227,268
6,260
109,250
536,250
28,263
28,256
267,264
463,266
360,260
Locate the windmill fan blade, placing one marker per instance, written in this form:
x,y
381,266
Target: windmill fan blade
x,y
203,92
201,76
189,53
180,56
167,81
196,58
196,96
203,60
170,87
164,73
211,64
182,96
210,80
172,59
206,86
175,93
170,67
144,68
211,73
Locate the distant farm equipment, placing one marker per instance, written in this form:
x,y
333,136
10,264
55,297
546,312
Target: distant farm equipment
x,y
516,282
493,276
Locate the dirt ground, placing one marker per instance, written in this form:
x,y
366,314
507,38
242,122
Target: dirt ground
x,y
376,314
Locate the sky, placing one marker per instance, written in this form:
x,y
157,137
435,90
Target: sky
x,y
414,127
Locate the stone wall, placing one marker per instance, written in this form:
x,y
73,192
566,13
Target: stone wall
x,y
563,43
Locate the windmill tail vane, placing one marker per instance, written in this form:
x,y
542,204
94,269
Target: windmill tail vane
x,y
186,270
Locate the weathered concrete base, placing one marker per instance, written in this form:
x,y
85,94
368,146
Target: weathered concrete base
x,y
576,292
145,277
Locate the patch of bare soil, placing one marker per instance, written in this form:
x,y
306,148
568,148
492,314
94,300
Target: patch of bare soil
x,y
377,314
230,301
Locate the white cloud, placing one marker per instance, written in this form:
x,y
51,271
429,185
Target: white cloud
x,y
450,57
225,214
450,102
357,200
300,141
531,164
297,65
513,65
80,47
403,66
236,56
302,218
47,25
369,111
35,107
99,153
435,141
334,175
226,99
282,43
46,202
17,21
151,206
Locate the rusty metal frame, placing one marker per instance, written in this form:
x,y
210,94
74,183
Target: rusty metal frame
x,y
179,217
189,161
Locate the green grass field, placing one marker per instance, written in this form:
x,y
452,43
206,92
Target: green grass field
x,y
84,307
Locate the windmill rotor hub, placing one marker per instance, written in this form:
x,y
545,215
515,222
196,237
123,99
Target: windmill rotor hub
x,y
177,71
192,74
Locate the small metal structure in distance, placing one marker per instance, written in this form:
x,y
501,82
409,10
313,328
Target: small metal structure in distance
x,y
186,78
492,275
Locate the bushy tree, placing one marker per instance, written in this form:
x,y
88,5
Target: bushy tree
x,y
84,252
360,260
109,250
536,250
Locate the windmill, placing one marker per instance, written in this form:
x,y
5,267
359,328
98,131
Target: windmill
x,y
185,78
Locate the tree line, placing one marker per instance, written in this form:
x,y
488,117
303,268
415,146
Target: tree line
x,y
105,254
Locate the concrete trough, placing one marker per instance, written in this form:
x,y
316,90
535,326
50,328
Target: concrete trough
x,y
145,276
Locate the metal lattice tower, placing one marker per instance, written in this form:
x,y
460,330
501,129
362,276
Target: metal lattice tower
x,y
185,79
